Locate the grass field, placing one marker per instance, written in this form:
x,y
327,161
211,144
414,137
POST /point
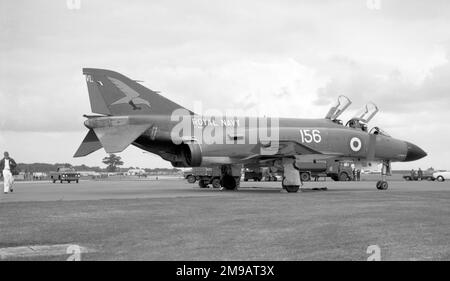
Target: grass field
x,y
172,220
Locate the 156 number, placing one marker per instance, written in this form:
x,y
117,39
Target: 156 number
x,y
309,136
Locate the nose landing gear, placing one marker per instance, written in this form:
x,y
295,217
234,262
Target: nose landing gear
x,y
385,171
382,185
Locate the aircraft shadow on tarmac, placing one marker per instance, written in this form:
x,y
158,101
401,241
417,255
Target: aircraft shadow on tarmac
x,y
264,190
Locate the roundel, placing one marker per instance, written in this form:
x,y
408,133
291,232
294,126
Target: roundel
x,y
355,144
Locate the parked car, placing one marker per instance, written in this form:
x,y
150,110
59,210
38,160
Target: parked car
x,y
426,176
256,175
65,174
442,175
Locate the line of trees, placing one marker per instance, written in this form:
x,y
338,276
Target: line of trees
x,y
113,163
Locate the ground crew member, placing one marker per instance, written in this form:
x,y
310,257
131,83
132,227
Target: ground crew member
x,y
419,174
358,175
413,174
7,166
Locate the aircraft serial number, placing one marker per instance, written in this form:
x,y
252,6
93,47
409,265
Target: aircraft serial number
x,y
309,136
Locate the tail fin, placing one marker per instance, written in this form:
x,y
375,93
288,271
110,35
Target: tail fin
x,y
112,93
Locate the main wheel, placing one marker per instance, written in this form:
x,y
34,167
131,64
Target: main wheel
x,y
228,182
291,188
440,178
202,184
191,179
215,183
305,176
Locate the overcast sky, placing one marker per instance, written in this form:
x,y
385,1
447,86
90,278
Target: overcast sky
x,y
282,58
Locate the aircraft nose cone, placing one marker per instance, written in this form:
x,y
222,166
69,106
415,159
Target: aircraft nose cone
x,y
414,152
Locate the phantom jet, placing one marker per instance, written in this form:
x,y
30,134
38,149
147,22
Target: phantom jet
x,y
129,113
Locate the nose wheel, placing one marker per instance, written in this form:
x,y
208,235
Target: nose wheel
x,y
382,185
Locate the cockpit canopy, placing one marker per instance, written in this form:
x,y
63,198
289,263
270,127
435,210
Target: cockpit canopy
x,y
342,104
360,120
367,113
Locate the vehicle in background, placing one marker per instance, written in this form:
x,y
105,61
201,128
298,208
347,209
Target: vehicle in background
x,y
441,175
204,176
336,170
425,176
255,175
91,174
136,172
269,175
39,175
65,174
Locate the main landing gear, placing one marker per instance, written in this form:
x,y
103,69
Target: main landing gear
x,y
230,177
385,171
291,176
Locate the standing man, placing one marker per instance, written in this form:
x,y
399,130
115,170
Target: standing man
x,y
7,165
358,175
413,174
420,174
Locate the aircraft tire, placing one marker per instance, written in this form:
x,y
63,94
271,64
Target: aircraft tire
x,y
382,185
440,178
191,179
216,183
291,188
228,182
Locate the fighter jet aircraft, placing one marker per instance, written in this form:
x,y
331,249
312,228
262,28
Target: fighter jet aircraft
x,y
133,114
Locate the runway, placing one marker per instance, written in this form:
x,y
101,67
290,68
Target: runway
x,y
172,220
